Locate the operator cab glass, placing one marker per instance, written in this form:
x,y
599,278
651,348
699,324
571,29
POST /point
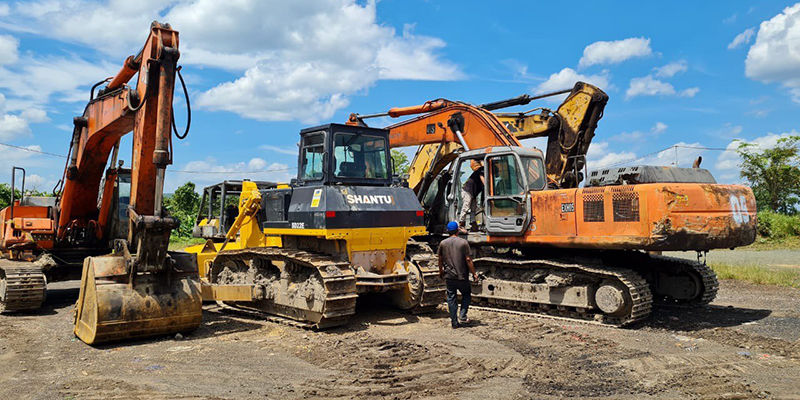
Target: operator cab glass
x,y
359,156
311,161
337,154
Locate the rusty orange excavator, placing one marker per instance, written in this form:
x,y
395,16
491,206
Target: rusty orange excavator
x,y
140,289
543,244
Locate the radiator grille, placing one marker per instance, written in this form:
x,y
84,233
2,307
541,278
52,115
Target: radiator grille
x,y
593,205
626,206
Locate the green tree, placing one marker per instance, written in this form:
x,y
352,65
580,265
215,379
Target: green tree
x,y
774,174
400,160
5,194
184,204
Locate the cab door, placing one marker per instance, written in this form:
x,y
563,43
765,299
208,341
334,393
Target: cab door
x,y
507,195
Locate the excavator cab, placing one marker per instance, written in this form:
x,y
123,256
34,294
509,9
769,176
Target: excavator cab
x,y
510,174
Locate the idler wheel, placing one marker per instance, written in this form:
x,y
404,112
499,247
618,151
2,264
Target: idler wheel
x,y
610,299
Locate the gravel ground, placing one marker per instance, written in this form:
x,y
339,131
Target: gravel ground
x,y
745,345
773,258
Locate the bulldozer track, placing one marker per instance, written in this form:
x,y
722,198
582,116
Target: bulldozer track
x,y
433,293
338,283
21,288
638,292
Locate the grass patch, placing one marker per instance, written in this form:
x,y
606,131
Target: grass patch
x,y
179,243
767,244
759,275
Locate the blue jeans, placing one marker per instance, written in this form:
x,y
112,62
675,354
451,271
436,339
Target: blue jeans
x,y
452,305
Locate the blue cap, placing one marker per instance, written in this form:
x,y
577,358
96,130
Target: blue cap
x,y
452,226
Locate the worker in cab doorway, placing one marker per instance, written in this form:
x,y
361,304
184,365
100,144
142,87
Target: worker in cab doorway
x,y
472,188
455,267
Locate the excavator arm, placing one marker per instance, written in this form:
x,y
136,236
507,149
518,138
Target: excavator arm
x,y
141,289
569,130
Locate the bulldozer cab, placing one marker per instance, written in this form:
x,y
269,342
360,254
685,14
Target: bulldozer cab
x,y
509,175
219,208
336,154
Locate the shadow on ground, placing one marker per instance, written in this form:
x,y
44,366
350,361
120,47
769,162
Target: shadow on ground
x,y
695,319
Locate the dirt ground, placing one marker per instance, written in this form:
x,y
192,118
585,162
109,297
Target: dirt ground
x,y
746,345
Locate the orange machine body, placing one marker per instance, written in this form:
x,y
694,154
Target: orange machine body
x,y
653,217
30,224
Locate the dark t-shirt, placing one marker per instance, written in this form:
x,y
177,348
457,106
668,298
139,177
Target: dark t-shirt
x,y
474,184
453,252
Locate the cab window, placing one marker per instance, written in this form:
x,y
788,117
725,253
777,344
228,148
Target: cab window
x,y
534,171
360,156
311,162
506,187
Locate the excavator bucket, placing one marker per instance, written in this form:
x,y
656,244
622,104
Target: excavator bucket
x,y
115,304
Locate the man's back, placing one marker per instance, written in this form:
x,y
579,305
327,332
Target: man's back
x,y
453,253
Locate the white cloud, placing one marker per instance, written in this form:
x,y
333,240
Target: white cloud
x,y
742,39
34,115
4,9
411,57
13,127
656,130
599,156
671,69
10,157
649,86
775,56
36,79
255,169
280,150
566,78
301,59
9,48
729,160
690,92
682,152
615,52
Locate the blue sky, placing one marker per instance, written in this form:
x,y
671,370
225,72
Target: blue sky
x,y
697,74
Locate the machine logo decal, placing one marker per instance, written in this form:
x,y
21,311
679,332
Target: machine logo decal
x,y
315,199
370,199
567,207
739,210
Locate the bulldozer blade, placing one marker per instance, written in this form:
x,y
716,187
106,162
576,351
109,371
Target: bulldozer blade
x,y
113,305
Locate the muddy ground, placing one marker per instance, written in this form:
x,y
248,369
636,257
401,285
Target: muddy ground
x,y
746,345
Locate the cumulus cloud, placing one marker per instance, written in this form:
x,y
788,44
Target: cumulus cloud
x,y
729,160
742,39
671,69
16,126
615,52
566,78
649,86
656,130
294,60
599,156
775,55
9,49
255,169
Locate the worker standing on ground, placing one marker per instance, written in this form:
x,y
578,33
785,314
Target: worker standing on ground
x,y
472,188
454,261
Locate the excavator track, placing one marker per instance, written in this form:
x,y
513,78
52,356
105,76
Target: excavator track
x,y
622,292
22,287
701,273
433,286
301,288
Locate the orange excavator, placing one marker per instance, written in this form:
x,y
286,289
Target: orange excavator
x,y
141,289
545,245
